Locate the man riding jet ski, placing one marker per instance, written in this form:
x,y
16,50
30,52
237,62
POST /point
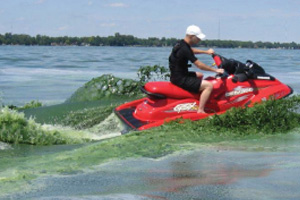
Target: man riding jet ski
x,y
183,53
239,86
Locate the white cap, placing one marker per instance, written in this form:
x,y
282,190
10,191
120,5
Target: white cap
x,y
195,30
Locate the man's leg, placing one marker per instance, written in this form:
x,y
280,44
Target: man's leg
x,y
199,75
206,88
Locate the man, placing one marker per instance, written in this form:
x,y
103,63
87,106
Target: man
x,y
181,54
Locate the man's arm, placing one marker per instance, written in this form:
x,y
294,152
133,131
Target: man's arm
x,y
205,67
199,51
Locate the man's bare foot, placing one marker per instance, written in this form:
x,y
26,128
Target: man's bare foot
x,y
201,112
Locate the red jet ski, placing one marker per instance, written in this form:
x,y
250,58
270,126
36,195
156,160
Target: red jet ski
x,y
241,85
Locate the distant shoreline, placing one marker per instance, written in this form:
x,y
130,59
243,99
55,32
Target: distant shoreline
x,y
131,41
199,46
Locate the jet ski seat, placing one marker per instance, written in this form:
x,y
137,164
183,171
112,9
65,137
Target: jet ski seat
x,y
163,89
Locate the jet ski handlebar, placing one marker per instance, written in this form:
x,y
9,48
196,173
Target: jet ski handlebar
x,y
241,71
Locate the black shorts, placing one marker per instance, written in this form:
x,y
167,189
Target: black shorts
x,y
191,83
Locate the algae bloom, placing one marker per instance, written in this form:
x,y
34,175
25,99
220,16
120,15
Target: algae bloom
x,y
16,128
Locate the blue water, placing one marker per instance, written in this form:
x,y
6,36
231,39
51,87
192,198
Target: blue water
x,y
52,74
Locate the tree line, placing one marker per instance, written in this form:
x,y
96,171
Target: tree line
x,y
129,40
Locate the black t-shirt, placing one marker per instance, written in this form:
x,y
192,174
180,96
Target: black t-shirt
x,y
178,61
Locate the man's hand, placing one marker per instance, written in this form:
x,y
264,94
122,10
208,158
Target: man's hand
x,y
210,51
219,71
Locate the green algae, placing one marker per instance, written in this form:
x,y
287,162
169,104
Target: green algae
x,y
15,128
108,86
60,124
55,114
105,86
176,135
153,73
270,117
31,104
87,118
262,121
161,141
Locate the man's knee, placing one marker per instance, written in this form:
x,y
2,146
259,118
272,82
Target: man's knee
x,y
206,85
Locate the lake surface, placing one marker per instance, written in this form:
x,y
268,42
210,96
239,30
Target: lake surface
x,y
52,74
258,168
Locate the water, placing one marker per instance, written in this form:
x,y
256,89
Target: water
x,y
253,168
52,74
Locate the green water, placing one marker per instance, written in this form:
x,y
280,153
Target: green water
x,y
36,169
76,139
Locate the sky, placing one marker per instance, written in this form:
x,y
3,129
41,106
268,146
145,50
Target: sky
x,y
245,20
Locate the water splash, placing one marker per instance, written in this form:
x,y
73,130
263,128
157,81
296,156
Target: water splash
x,y
15,128
4,146
110,127
72,134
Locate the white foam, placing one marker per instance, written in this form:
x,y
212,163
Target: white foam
x,y
110,127
4,146
70,132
